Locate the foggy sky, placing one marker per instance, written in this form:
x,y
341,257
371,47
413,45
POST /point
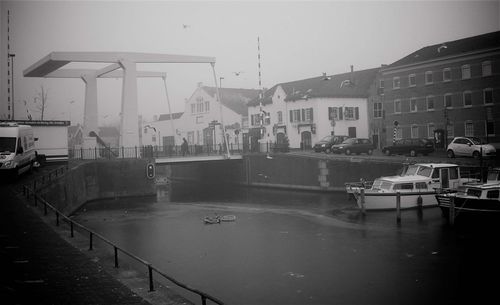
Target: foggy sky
x,y
298,40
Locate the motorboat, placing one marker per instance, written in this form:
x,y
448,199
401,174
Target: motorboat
x,y
474,198
417,186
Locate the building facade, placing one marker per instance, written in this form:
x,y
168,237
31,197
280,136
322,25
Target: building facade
x,y
201,121
305,111
442,91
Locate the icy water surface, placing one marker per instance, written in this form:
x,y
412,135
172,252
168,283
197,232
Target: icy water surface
x,y
289,247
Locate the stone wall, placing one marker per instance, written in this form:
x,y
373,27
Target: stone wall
x,y
99,180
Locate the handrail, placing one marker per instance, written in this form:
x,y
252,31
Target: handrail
x,y
37,198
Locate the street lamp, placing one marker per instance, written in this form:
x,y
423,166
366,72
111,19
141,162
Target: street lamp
x,y
11,56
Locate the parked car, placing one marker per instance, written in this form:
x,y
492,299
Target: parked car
x,y
354,145
469,147
325,144
412,147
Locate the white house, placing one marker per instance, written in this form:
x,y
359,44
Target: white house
x,y
200,123
306,110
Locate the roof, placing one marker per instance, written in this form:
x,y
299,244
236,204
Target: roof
x,y
233,98
167,117
451,48
354,84
108,131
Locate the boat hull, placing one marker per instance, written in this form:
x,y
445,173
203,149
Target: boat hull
x,y
387,201
468,205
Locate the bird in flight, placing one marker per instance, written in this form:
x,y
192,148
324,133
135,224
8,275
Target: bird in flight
x,y
238,73
185,26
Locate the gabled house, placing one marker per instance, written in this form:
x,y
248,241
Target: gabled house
x,y
201,121
162,132
305,111
443,90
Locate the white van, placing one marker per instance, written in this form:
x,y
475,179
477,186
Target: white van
x,y
17,148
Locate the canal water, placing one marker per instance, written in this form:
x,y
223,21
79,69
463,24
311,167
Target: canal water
x,y
296,247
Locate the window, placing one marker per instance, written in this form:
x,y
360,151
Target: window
x,y
413,105
207,106
453,172
377,110
490,128
450,130
446,74
488,96
403,186
398,133
420,185
428,78
199,120
193,108
381,84
469,129
351,113
397,106
486,68
396,82
447,100
430,103
466,72
414,131
412,80
430,130
493,194
467,99
280,117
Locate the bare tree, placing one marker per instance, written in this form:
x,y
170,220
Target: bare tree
x,y
40,101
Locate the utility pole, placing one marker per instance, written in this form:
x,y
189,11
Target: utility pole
x,y
11,56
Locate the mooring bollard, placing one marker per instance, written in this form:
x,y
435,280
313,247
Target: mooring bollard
x,y
150,270
362,198
398,208
451,217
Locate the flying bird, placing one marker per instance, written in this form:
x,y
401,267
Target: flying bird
x,y
238,73
185,26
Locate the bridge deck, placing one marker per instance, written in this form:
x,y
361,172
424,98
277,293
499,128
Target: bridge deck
x,y
188,159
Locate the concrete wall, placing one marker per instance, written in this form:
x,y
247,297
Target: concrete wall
x,y
285,171
98,180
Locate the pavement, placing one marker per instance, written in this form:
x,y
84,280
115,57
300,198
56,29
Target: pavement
x,y
39,266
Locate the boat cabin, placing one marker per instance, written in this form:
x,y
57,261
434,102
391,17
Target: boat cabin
x,y
421,178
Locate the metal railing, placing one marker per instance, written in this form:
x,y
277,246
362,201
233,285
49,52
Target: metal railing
x,y
150,151
38,199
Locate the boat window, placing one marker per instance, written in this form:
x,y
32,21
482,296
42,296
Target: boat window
x,y
385,185
492,194
435,173
453,172
421,185
493,175
425,171
474,192
412,170
403,186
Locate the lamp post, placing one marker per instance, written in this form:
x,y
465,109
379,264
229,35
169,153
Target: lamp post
x,y
11,56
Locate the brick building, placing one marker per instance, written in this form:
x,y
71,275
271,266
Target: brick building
x,y
441,91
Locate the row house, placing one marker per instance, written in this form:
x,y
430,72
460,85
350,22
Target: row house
x,y
200,123
441,91
305,111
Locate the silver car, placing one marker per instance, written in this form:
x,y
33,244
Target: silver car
x,y
469,147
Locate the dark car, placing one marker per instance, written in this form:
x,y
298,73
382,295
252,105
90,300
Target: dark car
x,y
325,144
354,145
411,147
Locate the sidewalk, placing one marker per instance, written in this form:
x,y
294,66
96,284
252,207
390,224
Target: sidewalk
x,y
39,267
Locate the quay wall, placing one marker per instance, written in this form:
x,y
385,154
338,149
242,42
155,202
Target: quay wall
x,y
286,171
98,180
